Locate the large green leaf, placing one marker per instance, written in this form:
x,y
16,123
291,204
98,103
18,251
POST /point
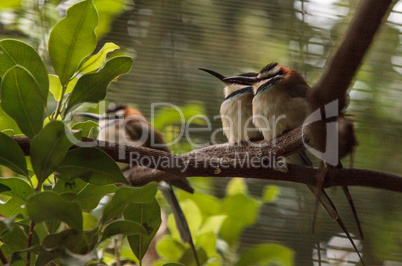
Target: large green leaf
x,y
126,228
92,87
72,39
149,215
267,254
14,52
50,206
91,195
48,149
127,195
91,165
11,155
18,188
18,91
96,61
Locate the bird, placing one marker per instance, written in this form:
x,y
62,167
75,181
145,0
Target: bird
x,y
125,125
280,105
236,110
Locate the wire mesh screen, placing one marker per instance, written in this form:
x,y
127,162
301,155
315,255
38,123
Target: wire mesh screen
x,y
170,40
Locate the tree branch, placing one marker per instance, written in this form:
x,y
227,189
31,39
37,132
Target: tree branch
x,y
340,71
254,160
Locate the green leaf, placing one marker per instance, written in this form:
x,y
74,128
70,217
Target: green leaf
x,y
14,52
169,116
241,211
12,4
271,193
236,186
97,60
91,165
7,224
148,215
92,87
90,197
189,259
77,241
76,186
85,127
55,86
7,123
126,228
72,39
208,242
169,248
213,224
267,254
107,11
11,155
127,195
8,132
209,205
11,207
16,240
50,206
89,221
18,89
193,216
18,188
48,149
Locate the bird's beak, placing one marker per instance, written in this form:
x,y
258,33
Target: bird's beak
x,y
213,73
93,116
242,80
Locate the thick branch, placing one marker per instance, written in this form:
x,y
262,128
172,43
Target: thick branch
x,y
340,71
248,161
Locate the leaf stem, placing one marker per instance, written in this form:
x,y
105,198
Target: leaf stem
x,y
30,234
59,103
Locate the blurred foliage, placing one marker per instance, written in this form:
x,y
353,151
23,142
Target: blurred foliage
x,y
170,40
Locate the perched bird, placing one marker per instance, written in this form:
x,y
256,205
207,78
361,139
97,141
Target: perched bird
x,y
126,125
280,105
236,110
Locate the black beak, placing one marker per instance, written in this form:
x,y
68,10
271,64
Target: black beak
x,y
213,73
92,116
241,80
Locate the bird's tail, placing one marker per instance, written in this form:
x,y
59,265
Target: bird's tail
x,y
179,217
352,205
323,198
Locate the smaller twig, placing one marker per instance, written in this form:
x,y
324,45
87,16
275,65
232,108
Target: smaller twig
x,y
30,236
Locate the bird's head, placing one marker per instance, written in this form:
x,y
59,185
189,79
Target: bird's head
x,y
115,113
231,86
273,76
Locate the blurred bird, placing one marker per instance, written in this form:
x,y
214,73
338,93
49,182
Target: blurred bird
x,y
125,125
280,105
236,110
